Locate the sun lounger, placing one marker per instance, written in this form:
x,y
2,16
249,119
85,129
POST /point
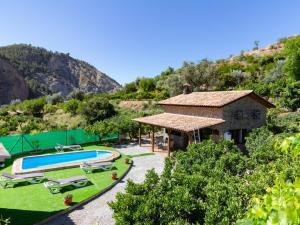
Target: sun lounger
x,y
89,167
61,148
32,178
55,185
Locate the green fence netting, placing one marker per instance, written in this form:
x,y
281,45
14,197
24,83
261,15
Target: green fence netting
x,y
29,142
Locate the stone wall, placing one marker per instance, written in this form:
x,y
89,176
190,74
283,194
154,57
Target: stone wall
x,y
244,113
212,112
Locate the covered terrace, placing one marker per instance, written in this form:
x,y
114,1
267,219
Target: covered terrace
x,y
188,127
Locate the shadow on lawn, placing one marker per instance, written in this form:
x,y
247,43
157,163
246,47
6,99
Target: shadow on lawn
x,y
26,217
71,187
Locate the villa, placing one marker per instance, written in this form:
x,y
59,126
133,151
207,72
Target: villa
x,y
195,116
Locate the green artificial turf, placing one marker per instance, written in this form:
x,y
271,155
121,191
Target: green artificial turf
x,y
27,204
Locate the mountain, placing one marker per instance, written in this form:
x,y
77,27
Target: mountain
x,y
41,72
12,83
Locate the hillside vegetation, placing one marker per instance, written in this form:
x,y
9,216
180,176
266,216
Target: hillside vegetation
x,y
47,72
272,72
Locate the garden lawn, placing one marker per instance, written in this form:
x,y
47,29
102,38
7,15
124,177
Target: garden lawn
x,y
27,204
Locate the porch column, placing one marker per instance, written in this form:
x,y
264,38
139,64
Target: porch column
x,y
190,138
140,140
169,142
240,136
152,138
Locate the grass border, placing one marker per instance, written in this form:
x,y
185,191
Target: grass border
x,y
72,208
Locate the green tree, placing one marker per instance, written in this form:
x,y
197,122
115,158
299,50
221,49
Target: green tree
x,y
98,108
292,52
130,88
35,107
290,95
256,45
72,106
76,94
147,84
209,183
187,186
279,206
54,99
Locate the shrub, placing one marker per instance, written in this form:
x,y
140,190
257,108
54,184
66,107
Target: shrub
x,y
260,143
48,108
210,183
34,106
4,131
200,185
54,99
98,108
292,51
290,96
280,205
147,84
72,106
76,94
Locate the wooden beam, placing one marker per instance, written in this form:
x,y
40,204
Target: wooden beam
x,y
152,138
169,142
140,138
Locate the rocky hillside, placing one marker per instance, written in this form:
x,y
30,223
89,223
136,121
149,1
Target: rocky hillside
x,y
12,83
47,72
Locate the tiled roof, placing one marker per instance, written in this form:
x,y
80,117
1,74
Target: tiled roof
x,y
179,122
212,98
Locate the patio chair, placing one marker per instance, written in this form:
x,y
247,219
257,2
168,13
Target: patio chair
x,y
32,178
61,148
89,167
55,185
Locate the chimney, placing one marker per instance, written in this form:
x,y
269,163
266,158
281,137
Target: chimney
x,y
187,89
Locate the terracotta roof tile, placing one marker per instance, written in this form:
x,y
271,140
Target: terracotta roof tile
x,y
210,98
179,122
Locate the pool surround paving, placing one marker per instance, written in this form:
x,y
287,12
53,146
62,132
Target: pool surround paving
x,y
17,164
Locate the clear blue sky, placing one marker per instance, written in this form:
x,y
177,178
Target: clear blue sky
x,y
126,39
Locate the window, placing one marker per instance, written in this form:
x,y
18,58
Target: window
x,y
238,115
255,114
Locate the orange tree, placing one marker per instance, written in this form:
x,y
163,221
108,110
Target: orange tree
x,y
281,203
209,183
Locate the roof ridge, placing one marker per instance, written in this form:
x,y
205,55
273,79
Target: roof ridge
x,y
212,98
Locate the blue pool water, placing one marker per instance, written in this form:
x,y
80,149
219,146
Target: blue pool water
x,y
55,159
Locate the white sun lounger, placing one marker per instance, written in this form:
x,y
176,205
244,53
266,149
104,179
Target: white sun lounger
x,y
55,185
61,148
89,167
32,178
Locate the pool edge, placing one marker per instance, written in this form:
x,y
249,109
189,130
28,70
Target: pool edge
x,y
17,164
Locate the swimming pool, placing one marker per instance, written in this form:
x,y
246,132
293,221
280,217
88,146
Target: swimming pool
x,y
61,160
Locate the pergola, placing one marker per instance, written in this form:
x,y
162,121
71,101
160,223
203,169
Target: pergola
x,y
178,122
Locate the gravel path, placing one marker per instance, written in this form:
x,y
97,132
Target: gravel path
x,y
97,211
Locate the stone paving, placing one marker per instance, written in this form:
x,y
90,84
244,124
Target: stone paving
x,y
97,212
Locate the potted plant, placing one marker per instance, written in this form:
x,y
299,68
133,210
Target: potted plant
x,y
114,176
127,161
68,199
